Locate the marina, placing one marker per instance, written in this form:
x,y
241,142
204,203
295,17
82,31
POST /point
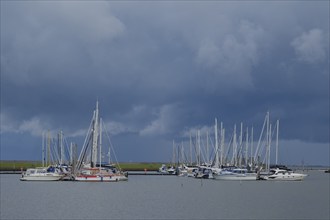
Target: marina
x,y
164,110
62,163
219,179
236,159
212,161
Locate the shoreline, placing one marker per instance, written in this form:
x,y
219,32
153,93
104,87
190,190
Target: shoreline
x,y
17,166
22,165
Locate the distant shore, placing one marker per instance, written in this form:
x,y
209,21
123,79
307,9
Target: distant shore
x,y
22,165
16,166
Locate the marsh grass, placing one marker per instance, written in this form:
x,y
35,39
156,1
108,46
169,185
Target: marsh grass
x,y
17,165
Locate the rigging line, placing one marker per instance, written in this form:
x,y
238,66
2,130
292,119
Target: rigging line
x,y
262,131
86,138
228,148
111,145
56,156
83,154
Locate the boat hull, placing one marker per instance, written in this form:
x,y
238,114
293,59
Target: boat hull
x,y
112,178
235,177
291,177
41,178
284,175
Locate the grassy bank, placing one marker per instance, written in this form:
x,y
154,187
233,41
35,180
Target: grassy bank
x,y
17,165
140,166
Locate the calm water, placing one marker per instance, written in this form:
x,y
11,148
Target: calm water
x,y
166,197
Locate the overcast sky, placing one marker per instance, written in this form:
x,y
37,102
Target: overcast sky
x,y
161,69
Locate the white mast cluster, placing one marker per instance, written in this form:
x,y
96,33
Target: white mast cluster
x,y
241,147
57,151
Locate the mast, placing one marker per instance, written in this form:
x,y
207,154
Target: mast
x,y
182,154
277,130
216,144
95,135
173,153
190,145
100,143
71,153
266,122
252,158
234,147
269,143
207,147
48,149
241,135
74,156
222,144
43,150
246,146
109,156
269,138
199,148
240,146
60,145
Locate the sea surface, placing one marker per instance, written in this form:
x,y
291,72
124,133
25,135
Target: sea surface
x,y
166,197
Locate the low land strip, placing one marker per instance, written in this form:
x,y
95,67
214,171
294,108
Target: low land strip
x,y
18,165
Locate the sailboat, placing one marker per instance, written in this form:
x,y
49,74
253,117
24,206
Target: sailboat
x,y
87,169
50,170
42,174
236,174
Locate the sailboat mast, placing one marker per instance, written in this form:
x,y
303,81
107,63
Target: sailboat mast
x,y
256,154
109,157
199,147
48,148
246,146
173,153
222,144
100,143
240,146
216,143
71,153
43,149
182,154
234,147
207,147
190,145
277,130
60,143
269,144
252,158
95,136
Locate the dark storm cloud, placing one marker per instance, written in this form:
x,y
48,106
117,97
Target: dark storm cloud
x,y
161,68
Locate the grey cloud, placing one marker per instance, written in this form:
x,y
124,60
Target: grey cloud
x,y
233,58
310,46
165,121
162,68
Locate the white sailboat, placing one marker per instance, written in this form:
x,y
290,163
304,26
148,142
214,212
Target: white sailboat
x,y
86,169
236,174
42,174
100,175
